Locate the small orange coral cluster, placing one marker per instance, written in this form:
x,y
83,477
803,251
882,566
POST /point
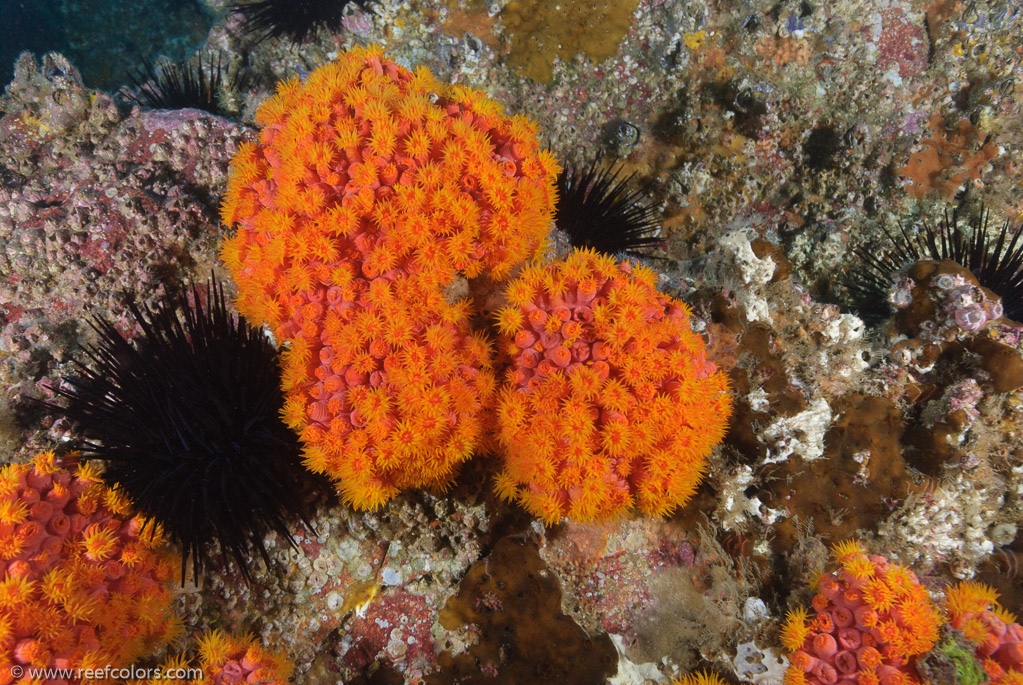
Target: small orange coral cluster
x,y
227,660
973,609
370,190
699,678
380,409
873,619
230,659
83,586
610,400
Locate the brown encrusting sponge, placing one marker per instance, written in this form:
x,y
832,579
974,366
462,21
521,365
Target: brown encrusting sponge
x,y
540,31
861,472
513,603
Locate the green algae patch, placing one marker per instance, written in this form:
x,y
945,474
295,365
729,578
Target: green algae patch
x,y
951,661
541,30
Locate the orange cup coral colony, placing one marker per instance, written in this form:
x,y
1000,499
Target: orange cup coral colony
x,y
85,584
610,400
873,619
371,189
225,659
973,608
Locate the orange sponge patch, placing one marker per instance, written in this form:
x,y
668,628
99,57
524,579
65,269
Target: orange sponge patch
x,y
610,401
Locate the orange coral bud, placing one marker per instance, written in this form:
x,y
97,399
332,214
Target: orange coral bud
x,y
969,597
795,629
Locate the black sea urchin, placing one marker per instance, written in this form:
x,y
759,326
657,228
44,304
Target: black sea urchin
x,y
186,420
597,209
994,257
293,19
177,85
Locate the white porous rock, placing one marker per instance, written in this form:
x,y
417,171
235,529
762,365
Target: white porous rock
x,y
735,507
756,309
758,399
754,610
1003,533
759,666
845,329
750,269
801,435
737,264
631,673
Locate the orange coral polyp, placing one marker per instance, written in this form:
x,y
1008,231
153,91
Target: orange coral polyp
x,y
355,210
886,627
567,352
973,608
65,599
226,658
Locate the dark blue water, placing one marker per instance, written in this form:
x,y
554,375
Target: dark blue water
x,y
105,39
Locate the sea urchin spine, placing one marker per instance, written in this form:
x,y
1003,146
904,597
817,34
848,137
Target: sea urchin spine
x,y
186,419
597,209
994,257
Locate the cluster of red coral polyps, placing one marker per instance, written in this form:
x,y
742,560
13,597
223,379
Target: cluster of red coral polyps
x,y
610,401
873,618
370,191
83,586
973,608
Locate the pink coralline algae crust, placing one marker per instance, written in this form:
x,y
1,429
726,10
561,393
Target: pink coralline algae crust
x,y
395,628
606,573
98,210
614,586
902,45
95,204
